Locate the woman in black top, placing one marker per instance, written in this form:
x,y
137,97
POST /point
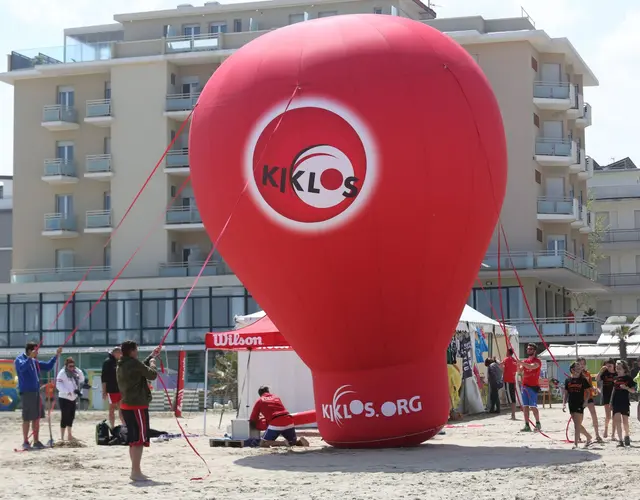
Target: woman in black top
x,y
606,376
623,384
574,391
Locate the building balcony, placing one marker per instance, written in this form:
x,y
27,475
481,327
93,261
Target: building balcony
x,y
98,221
59,171
559,210
616,192
577,105
183,219
196,43
177,162
620,239
64,274
98,112
98,167
584,118
558,329
560,268
580,166
59,225
56,117
626,281
184,269
556,152
179,106
554,96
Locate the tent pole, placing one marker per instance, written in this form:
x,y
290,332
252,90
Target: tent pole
x,y
206,380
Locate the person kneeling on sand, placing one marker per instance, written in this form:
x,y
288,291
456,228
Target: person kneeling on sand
x,y
279,421
133,376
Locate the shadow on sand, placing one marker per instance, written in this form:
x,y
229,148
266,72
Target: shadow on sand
x,y
427,457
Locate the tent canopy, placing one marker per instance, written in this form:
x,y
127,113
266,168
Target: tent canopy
x,y
590,351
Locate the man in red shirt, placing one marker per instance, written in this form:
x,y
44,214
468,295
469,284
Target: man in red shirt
x,y
530,369
279,421
509,369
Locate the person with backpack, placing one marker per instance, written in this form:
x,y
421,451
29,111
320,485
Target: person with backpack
x,y
494,375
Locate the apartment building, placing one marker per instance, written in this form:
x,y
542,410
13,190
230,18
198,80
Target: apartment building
x,y
93,117
615,189
6,219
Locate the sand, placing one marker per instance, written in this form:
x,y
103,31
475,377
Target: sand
x,y
490,461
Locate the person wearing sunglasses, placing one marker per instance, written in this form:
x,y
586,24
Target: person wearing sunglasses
x,y
69,385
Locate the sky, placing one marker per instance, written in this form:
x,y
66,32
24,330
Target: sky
x,y
607,39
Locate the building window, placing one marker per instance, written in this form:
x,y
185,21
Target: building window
x,y
107,90
538,177
377,10
217,28
237,25
328,13
534,64
536,120
487,302
296,18
191,30
66,96
539,235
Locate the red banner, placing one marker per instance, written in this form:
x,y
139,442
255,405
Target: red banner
x,y
182,356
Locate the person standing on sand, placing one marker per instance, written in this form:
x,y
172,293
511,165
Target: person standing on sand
x,y
590,394
530,368
28,369
607,375
623,385
574,393
509,370
68,382
110,390
133,378
494,377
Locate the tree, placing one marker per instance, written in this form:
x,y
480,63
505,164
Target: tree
x,y
224,377
597,234
622,332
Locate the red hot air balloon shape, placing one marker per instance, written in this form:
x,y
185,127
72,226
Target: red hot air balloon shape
x,y
355,167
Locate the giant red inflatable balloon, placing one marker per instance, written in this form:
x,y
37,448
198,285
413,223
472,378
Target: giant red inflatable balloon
x,y
356,166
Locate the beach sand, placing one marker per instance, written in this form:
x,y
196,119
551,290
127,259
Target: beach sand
x,y
486,458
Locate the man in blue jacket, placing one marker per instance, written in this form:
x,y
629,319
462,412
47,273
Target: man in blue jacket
x,y
29,368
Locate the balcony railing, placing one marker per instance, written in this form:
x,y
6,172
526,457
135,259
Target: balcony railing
x,y
620,279
182,269
181,102
540,260
59,222
62,274
59,113
615,192
59,167
98,164
178,158
98,219
621,235
194,43
556,206
551,90
99,108
558,326
183,215
551,146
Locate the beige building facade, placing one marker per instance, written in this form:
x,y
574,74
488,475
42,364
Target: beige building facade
x,y
92,118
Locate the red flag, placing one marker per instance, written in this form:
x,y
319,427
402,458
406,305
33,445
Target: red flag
x,y
180,383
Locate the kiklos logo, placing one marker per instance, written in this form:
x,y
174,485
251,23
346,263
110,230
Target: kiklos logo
x,y
311,166
343,408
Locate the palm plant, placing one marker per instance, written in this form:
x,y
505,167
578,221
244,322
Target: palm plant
x,y
623,332
223,377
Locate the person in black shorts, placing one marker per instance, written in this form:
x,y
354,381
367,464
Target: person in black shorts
x,y
623,385
574,392
606,377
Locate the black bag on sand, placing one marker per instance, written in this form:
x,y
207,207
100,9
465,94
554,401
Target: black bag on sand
x,y
103,433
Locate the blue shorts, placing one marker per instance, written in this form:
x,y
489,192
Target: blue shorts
x,y
529,397
273,434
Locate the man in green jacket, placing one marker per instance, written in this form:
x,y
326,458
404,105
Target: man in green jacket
x,y
133,378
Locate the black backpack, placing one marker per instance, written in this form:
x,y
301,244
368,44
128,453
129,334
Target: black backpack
x,y
103,433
